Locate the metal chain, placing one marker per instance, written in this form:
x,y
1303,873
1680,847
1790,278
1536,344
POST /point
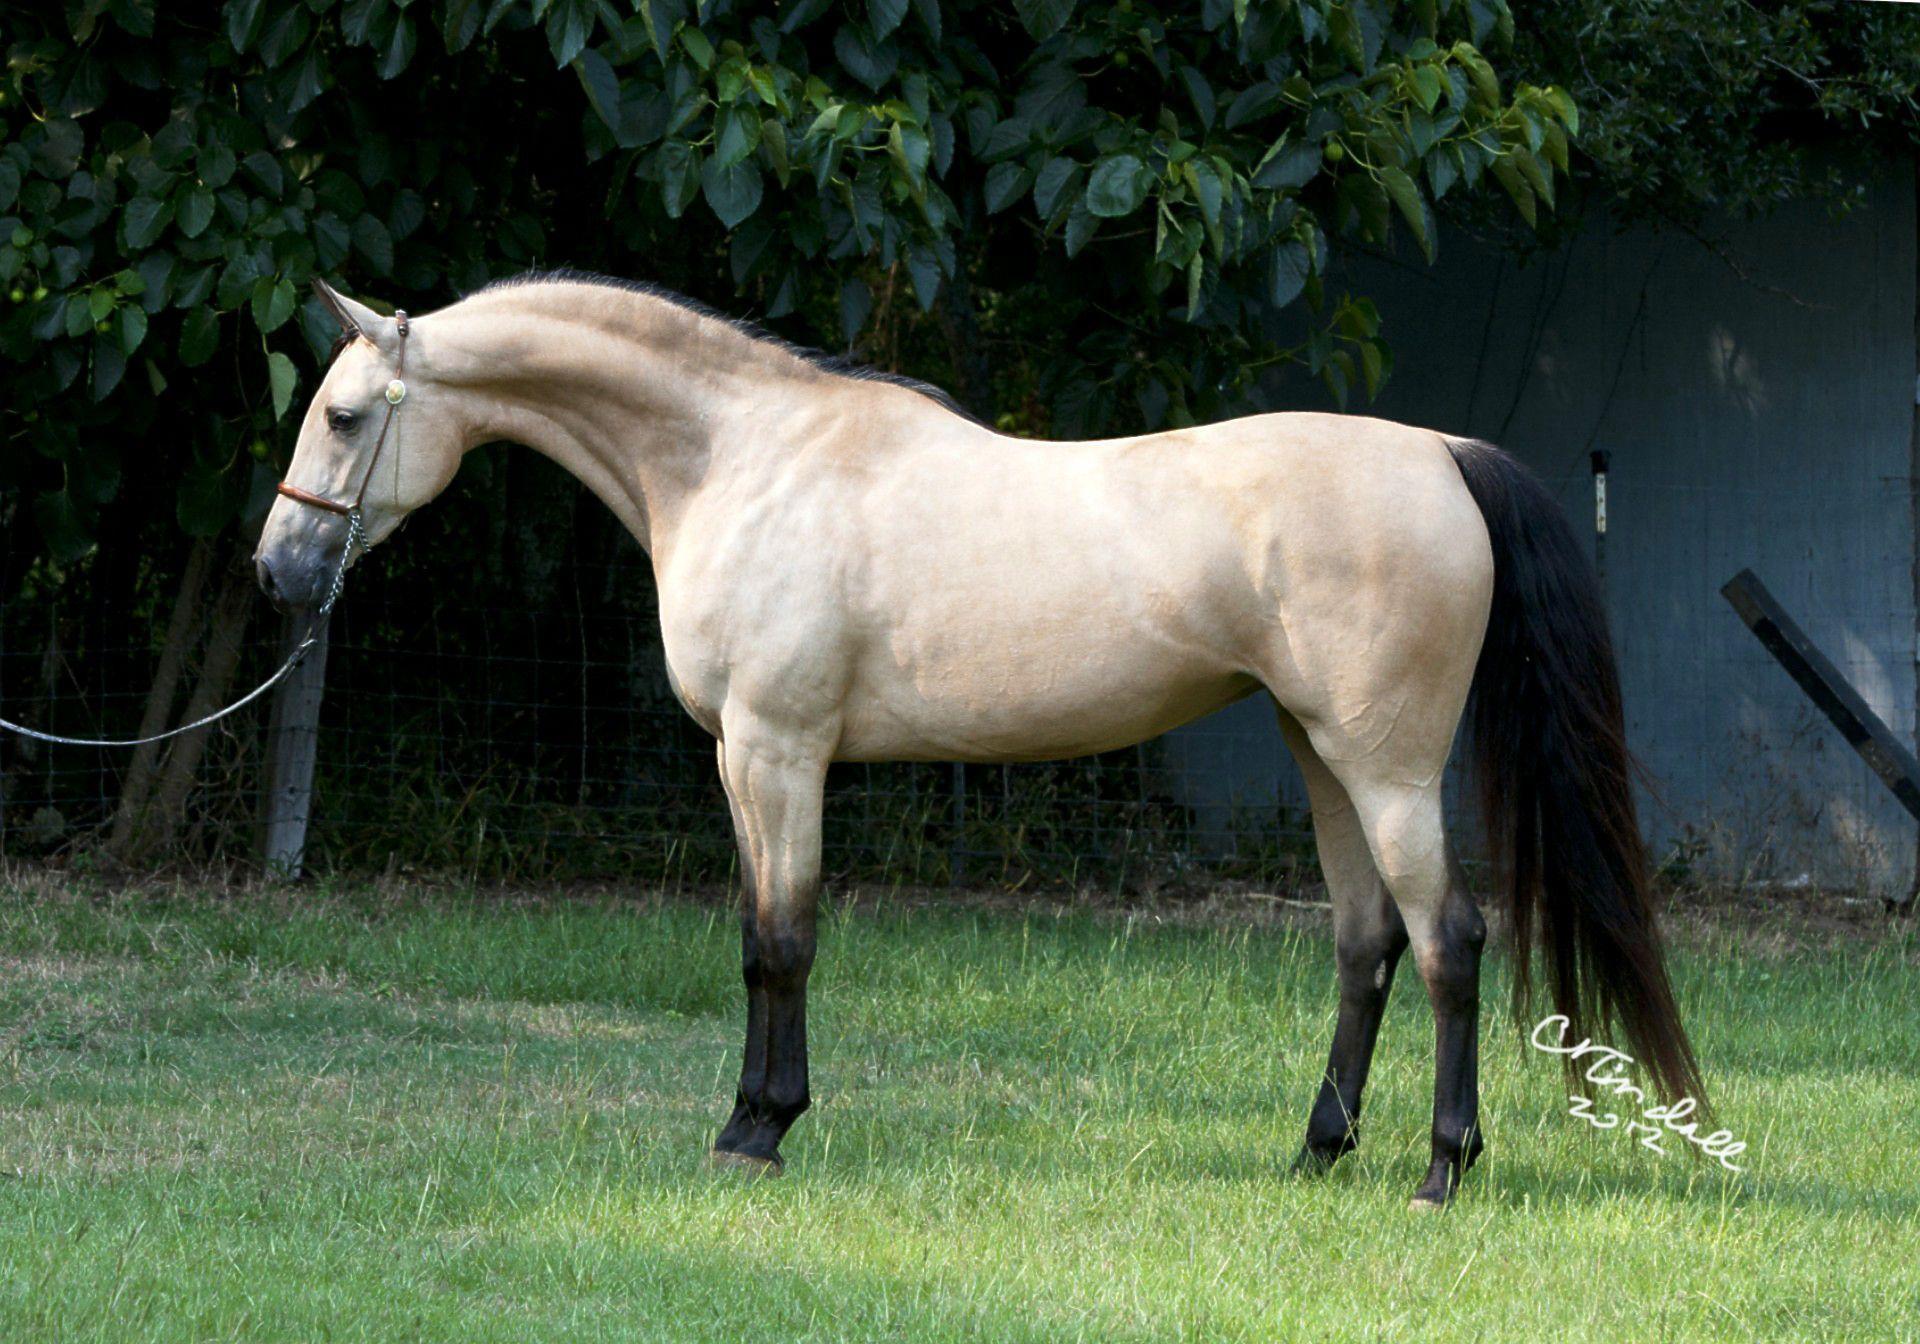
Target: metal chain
x,y
356,542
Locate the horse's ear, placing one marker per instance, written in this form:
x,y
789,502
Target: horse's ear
x,y
357,318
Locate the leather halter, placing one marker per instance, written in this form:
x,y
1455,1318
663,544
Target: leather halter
x,y
396,393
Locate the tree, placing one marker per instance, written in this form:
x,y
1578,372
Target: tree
x,y
1725,105
1154,187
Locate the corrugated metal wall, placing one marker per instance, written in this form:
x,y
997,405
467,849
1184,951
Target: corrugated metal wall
x,y
1757,398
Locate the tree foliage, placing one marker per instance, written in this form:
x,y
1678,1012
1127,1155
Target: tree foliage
x,y
1144,194
1726,105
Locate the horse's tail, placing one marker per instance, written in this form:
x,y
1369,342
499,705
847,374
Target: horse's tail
x,y
1555,778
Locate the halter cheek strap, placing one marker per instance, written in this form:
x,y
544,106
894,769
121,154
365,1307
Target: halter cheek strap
x,y
396,393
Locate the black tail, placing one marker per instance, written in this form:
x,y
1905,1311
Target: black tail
x,y
1555,779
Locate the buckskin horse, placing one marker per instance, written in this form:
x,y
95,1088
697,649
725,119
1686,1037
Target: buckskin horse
x,y
851,569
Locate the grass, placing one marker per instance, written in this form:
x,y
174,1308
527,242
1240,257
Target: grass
x,y
370,1116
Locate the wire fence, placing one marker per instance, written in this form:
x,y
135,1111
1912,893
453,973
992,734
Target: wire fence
x,y
511,720
497,708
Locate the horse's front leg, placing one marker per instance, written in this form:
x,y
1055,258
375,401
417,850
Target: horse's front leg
x,y
774,785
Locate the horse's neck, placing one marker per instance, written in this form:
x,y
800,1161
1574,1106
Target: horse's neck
x,y
635,397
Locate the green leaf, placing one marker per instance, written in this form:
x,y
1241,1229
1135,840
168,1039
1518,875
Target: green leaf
x,y
142,221
867,60
372,240
679,176
263,168
1006,183
923,267
1051,184
1043,18
66,532
1081,226
1205,182
569,25
1290,163
732,190
885,15
697,47
1117,187
281,379
196,212
1427,86
1405,194
856,305
272,303
1201,94
1563,106
216,166
736,135
398,53
199,337
109,365
132,324
1516,185
1287,271
1537,175
601,84
243,23
78,315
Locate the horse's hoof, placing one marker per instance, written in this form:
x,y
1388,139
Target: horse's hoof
x,y
1426,1204
745,1163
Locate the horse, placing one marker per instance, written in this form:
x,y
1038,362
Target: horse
x,y
851,568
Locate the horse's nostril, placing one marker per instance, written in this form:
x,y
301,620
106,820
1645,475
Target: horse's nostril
x,y
264,573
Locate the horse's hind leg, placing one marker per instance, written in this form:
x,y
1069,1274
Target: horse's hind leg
x,y
1368,938
1405,831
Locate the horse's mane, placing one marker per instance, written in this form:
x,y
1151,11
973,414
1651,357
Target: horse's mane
x,y
838,365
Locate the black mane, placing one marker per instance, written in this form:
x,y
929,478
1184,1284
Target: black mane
x,y
838,365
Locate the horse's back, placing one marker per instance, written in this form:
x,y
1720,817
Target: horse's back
x,y
1014,598
939,591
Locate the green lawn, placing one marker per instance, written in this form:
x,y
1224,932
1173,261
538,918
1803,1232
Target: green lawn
x,y
387,1118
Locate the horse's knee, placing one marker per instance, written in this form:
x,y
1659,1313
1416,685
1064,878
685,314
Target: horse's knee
x,y
1366,963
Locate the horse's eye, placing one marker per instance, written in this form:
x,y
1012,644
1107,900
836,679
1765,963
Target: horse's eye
x,y
342,422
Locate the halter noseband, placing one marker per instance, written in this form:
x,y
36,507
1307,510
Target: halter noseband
x,y
396,393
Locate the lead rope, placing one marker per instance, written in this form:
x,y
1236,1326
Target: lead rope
x,y
356,541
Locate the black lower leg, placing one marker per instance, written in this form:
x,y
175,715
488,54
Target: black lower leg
x,y
753,1066
1452,973
1366,979
773,1077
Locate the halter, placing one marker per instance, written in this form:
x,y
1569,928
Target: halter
x,y
396,393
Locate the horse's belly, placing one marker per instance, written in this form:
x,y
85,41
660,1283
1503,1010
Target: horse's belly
x,y
1015,708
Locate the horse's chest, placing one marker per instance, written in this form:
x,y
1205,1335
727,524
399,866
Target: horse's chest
x,y
750,648
695,670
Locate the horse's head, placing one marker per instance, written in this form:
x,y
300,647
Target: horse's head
x,y
378,436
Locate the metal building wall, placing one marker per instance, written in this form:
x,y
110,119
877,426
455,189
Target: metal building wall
x,y
1757,398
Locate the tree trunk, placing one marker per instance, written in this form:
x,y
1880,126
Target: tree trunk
x,y
182,630
232,606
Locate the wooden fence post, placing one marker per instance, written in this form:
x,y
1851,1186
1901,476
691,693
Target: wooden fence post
x,y
293,739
